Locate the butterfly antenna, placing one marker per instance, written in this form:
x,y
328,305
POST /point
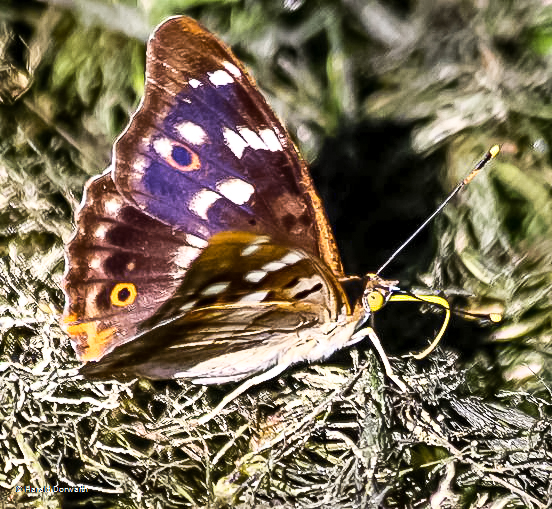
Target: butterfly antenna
x,y
493,317
491,154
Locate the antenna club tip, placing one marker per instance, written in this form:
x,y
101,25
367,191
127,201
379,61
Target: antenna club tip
x,y
494,150
495,317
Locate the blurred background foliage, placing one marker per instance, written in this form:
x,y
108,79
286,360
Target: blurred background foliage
x,y
392,102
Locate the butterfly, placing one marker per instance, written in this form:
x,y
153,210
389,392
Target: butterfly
x,y
204,251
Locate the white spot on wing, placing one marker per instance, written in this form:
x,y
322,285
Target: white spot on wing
x,y
231,68
288,259
252,138
194,83
192,133
272,266
100,232
255,276
194,241
186,307
249,250
220,78
139,165
95,263
234,141
201,201
113,206
185,255
163,146
236,190
91,297
215,289
255,296
266,139
292,257
270,139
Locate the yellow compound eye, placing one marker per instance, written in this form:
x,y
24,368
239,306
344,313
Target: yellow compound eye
x,y
123,294
375,301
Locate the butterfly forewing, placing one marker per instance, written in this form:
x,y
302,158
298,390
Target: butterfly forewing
x,y
206,154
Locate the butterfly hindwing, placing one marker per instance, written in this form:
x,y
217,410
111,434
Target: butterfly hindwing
x,y
115,252
260,305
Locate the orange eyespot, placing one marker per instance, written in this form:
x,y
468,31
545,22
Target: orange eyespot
x,y
183,159
123,294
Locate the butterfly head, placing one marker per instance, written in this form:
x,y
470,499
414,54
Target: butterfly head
x,y
377,292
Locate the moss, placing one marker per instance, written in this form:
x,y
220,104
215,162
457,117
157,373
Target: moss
x,y
388,96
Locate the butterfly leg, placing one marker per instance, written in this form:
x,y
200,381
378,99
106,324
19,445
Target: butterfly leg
x,y
368,331
251,382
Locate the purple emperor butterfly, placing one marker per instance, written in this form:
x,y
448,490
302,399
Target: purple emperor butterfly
x,y
204,251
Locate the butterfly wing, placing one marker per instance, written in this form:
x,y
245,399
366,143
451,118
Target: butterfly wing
x,y
245,305
205,153
121,266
